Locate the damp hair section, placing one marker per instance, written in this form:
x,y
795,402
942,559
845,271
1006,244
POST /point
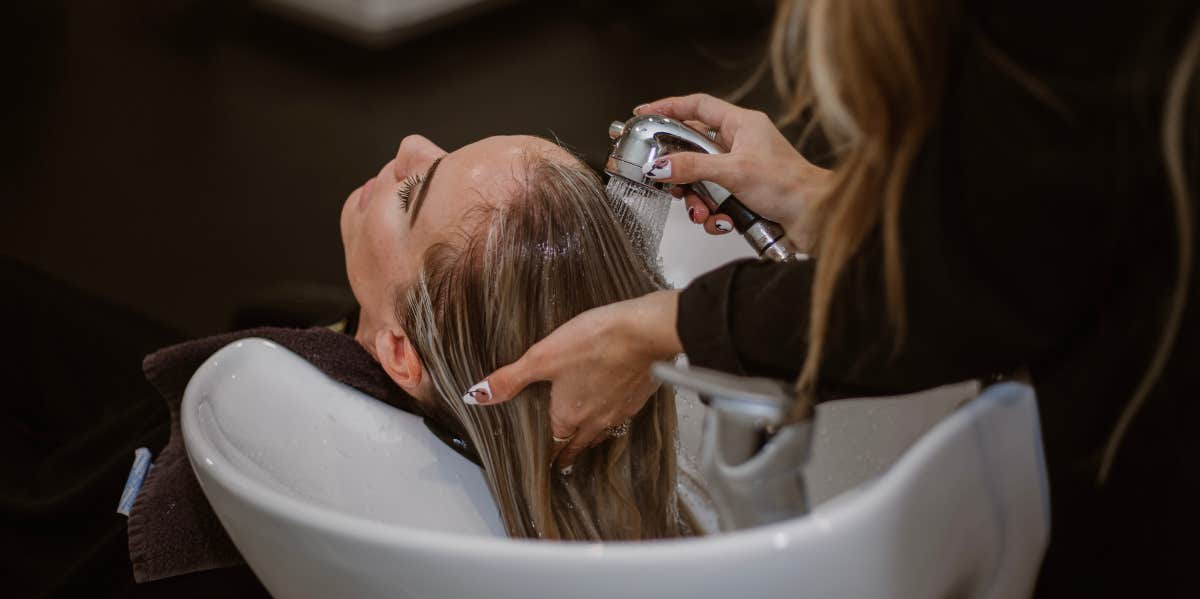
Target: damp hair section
x,y
642,213
516,272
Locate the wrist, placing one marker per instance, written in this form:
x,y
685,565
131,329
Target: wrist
x,y
652,324
812,184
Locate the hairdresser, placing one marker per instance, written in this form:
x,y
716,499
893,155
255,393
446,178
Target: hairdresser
x,y
1009,191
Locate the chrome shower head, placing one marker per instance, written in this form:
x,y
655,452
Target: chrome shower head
x,y
643,139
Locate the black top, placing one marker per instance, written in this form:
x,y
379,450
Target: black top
x,y
1033,237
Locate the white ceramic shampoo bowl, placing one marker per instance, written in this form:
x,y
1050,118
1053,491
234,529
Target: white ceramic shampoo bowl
x,y
329,493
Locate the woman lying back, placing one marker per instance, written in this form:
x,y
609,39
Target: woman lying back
x,y
462,261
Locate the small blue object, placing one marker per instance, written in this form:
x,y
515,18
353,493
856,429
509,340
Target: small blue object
x,y
137,474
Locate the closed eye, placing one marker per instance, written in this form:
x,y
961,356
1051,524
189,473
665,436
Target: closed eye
x,y
405,190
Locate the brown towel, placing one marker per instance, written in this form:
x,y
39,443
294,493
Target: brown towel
x,y
172,528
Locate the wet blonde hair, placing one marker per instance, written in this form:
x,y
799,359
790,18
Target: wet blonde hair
x,y
514,274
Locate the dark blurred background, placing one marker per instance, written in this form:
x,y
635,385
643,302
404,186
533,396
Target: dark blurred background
x,y
176,168
188,158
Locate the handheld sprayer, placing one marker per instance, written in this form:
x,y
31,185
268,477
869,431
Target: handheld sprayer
x,y
643,139
755,443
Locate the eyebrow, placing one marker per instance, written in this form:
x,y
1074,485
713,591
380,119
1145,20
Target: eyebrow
x,y
421,193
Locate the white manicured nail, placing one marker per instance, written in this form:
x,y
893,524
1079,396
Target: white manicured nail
x,y
480,392
568,470
724,226
659,169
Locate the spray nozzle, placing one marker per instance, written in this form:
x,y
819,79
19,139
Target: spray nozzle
x,y
643,139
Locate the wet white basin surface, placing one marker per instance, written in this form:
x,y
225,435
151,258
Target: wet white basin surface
x,y
328,492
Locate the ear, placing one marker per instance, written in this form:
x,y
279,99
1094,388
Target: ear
x,y
399,359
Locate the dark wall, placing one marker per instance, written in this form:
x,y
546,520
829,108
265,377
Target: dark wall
x,y
179,157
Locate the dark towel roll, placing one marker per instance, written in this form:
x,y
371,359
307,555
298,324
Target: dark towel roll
x,y
172,528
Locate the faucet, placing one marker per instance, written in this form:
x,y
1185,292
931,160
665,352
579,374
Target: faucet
x,y
753,448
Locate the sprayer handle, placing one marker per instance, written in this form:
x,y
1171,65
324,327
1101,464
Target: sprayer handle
x,y
741,216
765,236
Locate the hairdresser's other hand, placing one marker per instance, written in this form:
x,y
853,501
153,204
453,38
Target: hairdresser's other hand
x,y
763,169
598,366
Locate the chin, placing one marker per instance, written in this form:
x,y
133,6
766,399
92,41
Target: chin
x,y
344,216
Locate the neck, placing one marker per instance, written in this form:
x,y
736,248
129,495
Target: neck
x,y
365,333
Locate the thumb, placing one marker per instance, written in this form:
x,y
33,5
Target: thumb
x,y
689,167
504,383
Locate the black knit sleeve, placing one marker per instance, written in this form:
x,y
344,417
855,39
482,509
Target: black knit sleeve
x,y
748,318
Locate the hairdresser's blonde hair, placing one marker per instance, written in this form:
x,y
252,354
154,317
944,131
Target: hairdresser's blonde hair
x,y
871,74
514,274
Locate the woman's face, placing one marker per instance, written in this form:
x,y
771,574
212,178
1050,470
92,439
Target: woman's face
x,y
389,222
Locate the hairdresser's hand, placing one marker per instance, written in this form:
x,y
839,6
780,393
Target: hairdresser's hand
x,y
763,169
598,365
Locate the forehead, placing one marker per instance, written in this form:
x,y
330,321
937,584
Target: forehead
x,y
492,165
487,173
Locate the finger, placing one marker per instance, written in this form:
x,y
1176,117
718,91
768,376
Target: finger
x,y
506,382
604,434
563,427
616,421
711,111
709,132
696,208
565,414
582,440
689,167
718,224
677,191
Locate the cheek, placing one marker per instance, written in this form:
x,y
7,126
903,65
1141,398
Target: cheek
x,y
365,254
377,259
362,257
354,271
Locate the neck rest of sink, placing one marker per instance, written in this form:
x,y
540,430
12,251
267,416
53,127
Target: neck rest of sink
x,y
172,528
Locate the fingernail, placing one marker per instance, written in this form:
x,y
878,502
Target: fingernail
x,y
659,169
724,226
639,107
567,470
691,214
480,392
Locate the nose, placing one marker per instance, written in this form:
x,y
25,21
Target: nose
x,y
415,151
